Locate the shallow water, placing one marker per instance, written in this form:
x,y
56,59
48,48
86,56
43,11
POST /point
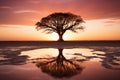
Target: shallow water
x,y
81,63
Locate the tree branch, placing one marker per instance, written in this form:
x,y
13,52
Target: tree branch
x,y
70,26
47,26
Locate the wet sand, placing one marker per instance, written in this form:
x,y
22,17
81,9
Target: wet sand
x,y
13,65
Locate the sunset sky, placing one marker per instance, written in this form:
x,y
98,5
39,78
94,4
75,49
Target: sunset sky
x,y
18,18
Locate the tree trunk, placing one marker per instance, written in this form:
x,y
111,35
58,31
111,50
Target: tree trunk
x,y
60,57
60,38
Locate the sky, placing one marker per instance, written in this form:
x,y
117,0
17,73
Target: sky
x,y
18,18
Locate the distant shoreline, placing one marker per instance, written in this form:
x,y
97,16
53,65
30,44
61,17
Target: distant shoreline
x,y
115,43
64,41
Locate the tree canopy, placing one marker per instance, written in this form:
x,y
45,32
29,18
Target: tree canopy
x,y
60,23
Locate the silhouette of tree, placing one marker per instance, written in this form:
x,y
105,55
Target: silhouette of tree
x,y
60,23
60,66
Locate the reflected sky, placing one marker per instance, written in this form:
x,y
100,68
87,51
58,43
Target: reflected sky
x,y
82,63
52,52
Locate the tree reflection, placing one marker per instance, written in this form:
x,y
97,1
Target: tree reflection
x,y
60,66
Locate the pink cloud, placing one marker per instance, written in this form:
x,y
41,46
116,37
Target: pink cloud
x,y
35,9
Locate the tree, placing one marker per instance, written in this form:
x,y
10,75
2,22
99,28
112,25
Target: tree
x,y
60,67
60,23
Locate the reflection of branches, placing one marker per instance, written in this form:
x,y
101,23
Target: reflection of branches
x,y
60,66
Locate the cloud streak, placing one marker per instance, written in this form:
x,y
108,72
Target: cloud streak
x,y
6,7
25,11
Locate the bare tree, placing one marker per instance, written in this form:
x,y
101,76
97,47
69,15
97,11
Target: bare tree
x,y
60,23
